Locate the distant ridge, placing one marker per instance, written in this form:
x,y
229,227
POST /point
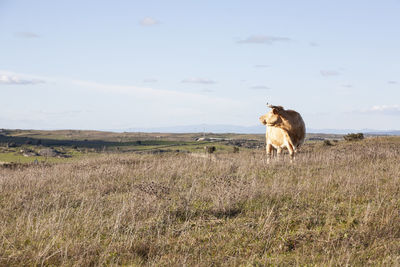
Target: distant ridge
x,y
200,128
347,131
256,129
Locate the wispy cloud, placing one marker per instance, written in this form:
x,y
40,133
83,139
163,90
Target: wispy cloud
x,y
314,44
392,82
150,80
63,113
386,109
148,21
199,81
12,79
42,119
261,66
347,85
263,39
175,105
380,110
27,35
207,91
151,93
260,87
327,73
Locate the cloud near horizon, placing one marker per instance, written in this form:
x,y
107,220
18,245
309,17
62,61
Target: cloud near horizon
x,y
150,80
328,73
260,87
386,109
199,81
17,80
148,21
348,85
155,94
27,35
391,110
263,39
172,104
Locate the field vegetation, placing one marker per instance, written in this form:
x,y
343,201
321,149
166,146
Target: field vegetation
x,y
73,144
336,205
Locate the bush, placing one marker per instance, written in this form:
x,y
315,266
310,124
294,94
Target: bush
x,y
210,149
327,143
11,144
354,137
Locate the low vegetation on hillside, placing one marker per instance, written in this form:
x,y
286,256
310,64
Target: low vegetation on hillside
x,y
28,146
336,205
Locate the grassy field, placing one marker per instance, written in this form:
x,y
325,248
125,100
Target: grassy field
x,y
335,205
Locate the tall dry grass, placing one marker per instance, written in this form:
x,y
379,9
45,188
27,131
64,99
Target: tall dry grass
x,y
334,206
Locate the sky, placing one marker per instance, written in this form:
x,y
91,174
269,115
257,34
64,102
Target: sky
x,y
143,64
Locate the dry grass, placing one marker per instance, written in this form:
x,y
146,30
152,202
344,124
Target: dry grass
x,y
336,205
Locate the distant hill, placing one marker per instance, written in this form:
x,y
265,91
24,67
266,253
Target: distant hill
x,y
256,129
384,133
347,131
200,128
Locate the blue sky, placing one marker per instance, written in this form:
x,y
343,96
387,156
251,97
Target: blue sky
x,y
127,64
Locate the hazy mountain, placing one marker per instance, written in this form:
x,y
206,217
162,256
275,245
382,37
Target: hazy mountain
x,y
256,129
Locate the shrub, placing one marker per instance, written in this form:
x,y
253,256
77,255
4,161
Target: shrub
x,y
354,137
327,143
11,144
210,149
